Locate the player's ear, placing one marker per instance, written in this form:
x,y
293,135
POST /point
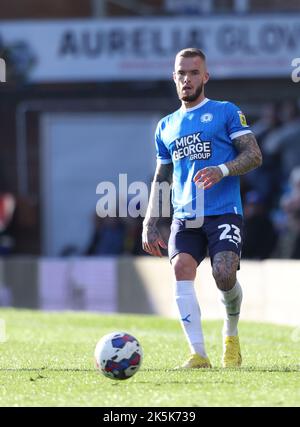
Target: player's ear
x,y
206,77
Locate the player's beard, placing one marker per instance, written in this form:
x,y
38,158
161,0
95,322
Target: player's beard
x,y
193,97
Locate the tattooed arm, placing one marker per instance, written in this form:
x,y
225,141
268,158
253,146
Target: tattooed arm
x,y
249,158
151,239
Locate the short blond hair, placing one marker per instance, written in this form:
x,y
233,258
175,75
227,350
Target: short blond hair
x,y
191,52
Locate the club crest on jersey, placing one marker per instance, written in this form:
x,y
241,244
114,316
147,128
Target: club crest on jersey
x,y
207,117
243,120
191,146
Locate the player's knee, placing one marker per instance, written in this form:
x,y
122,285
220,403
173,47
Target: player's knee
x,y
184,267
224,279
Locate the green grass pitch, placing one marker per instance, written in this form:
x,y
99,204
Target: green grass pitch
x,y
47,360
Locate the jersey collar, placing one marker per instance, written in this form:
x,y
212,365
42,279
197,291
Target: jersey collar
x,y
184,109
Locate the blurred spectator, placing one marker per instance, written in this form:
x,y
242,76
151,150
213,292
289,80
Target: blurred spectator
x,y
286,140
7,208
259,233
23,226
268,121
69,251
265,179
19,59
108,237
289,242
6,296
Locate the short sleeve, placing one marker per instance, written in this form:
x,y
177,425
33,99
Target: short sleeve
x,y
162,153
236,121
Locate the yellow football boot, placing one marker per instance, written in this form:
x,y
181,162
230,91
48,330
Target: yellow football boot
x,y
196,361
232,357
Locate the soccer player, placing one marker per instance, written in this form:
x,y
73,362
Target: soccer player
x,y
206,144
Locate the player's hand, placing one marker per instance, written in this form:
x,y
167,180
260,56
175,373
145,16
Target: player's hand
x,y
207,177
152,240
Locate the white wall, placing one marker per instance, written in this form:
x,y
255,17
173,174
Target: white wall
x,y
271,289
78,284
145,285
